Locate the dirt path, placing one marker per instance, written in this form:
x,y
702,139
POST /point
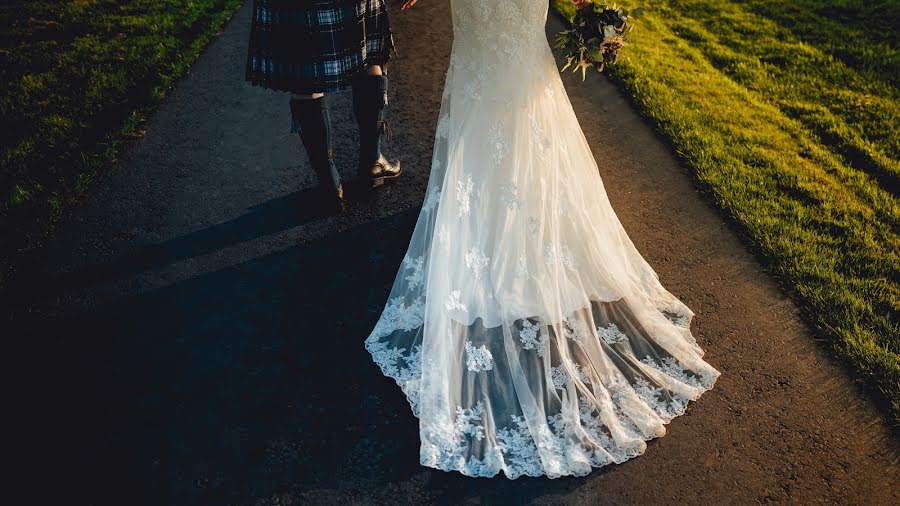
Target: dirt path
x,y
199,337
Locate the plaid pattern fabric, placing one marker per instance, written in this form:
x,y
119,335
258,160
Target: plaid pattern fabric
x,y
309,46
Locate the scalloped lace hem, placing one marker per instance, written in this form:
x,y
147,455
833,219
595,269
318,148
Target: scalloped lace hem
x,y
573,458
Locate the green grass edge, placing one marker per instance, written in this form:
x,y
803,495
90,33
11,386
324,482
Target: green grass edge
x,y
104,153
856,344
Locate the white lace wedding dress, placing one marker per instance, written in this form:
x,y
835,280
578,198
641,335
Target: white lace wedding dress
x,y
525,329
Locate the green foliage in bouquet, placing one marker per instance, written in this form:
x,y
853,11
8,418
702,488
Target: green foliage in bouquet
x,y
597,34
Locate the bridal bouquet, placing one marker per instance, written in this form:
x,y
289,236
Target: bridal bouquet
x,y
597,34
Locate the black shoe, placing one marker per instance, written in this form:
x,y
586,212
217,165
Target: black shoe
x,y
382,170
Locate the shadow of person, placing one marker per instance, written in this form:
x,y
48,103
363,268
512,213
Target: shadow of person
x,y
236,386
270,217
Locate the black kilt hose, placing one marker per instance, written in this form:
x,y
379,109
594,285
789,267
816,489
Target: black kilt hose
x,y
312,46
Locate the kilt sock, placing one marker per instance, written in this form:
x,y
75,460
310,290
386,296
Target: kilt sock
x,y
369,101
314,123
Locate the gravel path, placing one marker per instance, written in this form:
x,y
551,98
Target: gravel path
x,y
198,337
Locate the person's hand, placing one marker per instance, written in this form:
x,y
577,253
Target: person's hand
x,y
407,4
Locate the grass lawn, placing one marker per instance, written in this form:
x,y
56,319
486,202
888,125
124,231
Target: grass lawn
x,y
76,80
787,114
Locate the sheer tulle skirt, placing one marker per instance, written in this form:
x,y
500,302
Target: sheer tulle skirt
x,y
525,329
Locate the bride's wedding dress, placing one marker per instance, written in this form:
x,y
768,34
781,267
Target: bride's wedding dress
x,y
525,329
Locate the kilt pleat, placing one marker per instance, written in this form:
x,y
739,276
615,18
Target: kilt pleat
x,y
309,46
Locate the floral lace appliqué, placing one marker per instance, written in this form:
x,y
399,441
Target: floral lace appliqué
x,y
454,303
559,378
478,359
498,143
473,90
567,257
409,377
579,372
399,316
444,442
443,235
564,256
540,138
464,191
681,320
532,337
611,334
550,255
443,127
476,261
575,329
670,367
418,272
655,399
432,200
509,195
521,454
534,225
466,418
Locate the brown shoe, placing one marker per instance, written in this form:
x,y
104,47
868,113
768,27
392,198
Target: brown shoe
x,y
379,172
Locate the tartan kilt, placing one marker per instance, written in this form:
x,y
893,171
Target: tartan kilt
x,y
312,46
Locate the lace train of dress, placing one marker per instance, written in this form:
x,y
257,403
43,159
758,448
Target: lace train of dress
x,y
527,332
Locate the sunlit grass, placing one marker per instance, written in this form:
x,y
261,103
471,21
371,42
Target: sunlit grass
x,y
788,115
77,78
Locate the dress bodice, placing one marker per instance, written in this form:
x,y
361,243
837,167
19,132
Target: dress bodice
x,y
497,36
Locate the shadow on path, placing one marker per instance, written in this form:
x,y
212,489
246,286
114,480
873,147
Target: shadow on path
x,y
248,383
270,217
